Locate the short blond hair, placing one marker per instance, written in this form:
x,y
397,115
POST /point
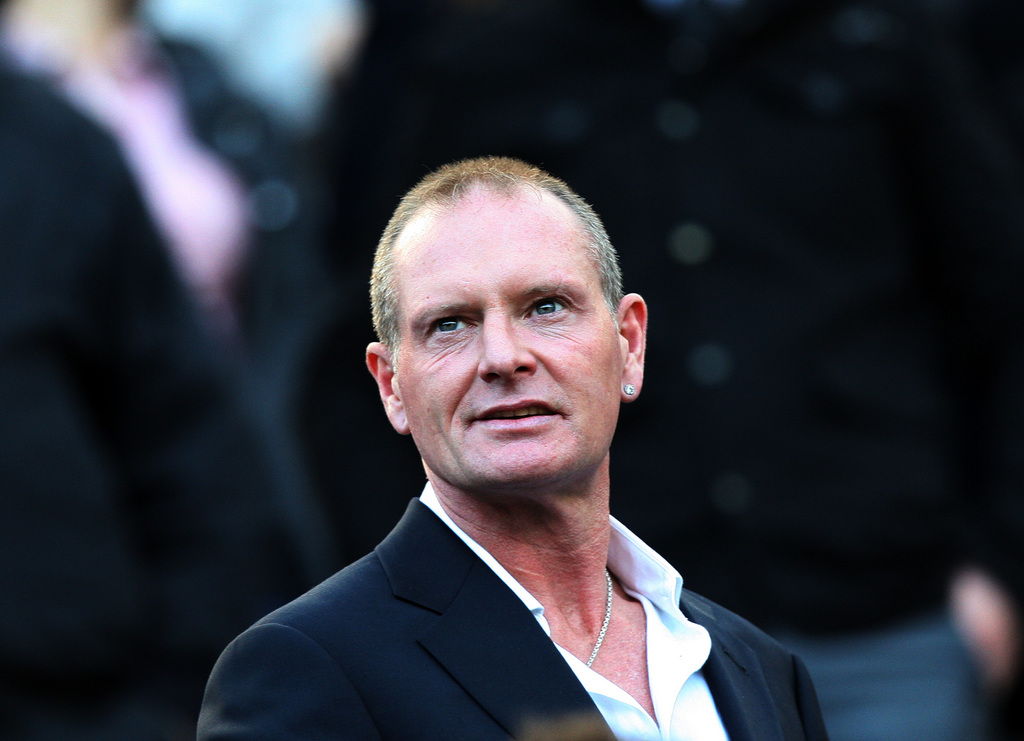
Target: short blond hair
x,y
446,187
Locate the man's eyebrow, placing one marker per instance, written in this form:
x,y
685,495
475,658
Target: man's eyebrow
x,y
545,289
428,312
453,307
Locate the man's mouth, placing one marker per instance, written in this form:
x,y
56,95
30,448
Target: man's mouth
x,y
531,411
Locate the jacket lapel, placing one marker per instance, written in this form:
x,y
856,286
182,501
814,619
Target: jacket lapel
x,y
492,646
484,636
737,683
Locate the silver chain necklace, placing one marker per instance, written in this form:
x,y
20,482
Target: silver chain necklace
x,y
607,619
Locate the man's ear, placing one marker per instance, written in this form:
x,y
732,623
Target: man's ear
x,y
632,316
382,368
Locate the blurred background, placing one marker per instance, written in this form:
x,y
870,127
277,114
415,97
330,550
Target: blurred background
x,y
821,200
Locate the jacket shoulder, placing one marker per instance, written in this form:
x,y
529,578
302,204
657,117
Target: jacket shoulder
x,y
358,589
728,628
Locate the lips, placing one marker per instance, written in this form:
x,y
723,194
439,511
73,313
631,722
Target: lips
x,y
516,413
529,410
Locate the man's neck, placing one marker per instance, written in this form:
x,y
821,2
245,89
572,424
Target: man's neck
x,y
556,547
550,542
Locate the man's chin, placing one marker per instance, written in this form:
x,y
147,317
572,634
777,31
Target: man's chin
x,y
534,479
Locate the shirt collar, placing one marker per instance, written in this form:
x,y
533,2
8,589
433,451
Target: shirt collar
x,y
429,498
637,566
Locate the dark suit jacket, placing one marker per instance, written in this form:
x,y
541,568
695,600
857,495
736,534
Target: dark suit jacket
x,y
421,640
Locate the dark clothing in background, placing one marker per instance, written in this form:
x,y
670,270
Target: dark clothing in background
x,y
828,231
285,292
138,519
286,297
992,30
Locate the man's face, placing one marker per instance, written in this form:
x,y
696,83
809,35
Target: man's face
x,y
510,369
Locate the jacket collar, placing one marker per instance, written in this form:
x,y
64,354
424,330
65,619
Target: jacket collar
x,y
495,650
735,677
484,636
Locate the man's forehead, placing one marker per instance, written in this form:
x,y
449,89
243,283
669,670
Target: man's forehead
x,y
536,207
520,245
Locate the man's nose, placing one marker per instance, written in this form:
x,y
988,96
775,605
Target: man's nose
x,y
504,353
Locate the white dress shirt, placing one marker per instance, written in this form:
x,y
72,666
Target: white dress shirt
x,y
676,648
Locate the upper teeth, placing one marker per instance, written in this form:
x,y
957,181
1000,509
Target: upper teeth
x,y
524,412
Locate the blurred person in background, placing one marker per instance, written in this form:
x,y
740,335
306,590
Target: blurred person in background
x,y
992,31
287,54
140,519
228,188
829,221
96,54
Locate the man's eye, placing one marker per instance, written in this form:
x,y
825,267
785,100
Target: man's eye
x,y
548,306
449,325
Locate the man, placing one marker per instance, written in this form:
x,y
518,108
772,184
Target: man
x,y
828,221
506,594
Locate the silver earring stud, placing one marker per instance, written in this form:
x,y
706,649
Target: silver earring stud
x,y
630,389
